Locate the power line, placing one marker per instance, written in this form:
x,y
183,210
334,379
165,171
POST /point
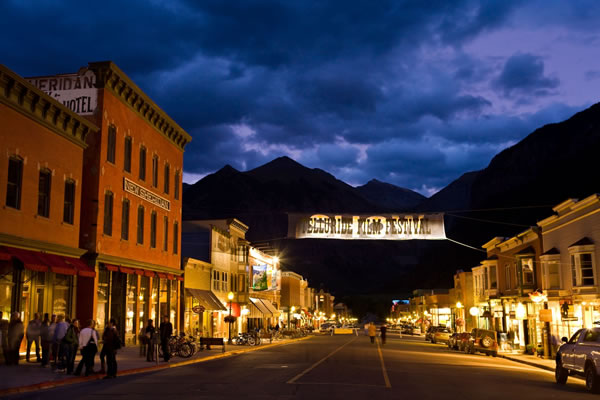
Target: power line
x,y
488,221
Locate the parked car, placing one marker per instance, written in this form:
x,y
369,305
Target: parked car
x,y
484,341
458,341
326,327
430,331
407,329
580,355
441,335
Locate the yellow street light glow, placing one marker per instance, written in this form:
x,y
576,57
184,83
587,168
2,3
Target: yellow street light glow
x,y
230,296
520,312
276,259
474,311
293,308
459,304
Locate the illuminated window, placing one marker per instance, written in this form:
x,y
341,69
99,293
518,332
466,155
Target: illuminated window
x,y
582,269
69,204
14,184
553,268
44,185
527,268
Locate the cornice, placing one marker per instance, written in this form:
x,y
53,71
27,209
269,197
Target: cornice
x,y
110,77
20,95
108,259
15,241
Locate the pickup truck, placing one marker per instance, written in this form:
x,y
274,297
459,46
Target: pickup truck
x,y
580,355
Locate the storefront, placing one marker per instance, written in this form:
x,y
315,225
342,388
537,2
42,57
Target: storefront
x,y
132,296
202,313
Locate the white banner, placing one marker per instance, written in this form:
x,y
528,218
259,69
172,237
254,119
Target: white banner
x,y
370,227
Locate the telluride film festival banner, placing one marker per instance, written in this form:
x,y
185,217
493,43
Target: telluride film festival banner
x,y
259,277
373,227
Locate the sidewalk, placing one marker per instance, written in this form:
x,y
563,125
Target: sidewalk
x,y
27,377
534,361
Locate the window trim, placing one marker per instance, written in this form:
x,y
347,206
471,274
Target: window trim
x,y
546,261
575,253
177,184
166,179
155,171
108,212
111,145
166,233
140,225
125,212
127,152
153,223
175,237
143,155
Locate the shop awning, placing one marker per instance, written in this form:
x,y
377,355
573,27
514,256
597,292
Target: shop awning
x,y
161,275
270,307
126,270
38,261
261,307
82,268
58,264
207,299
111,267
29,259
150,274
4,254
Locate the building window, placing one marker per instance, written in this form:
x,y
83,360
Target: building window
x,y
216,280
493,277
108,213
176,184
224,286
167,172
140,225
507,276
155,171
582,269
553,273
44,185
175,237
527,269
125,220
14,185
69,206
153,229
111,144
127,154
166,234
142,163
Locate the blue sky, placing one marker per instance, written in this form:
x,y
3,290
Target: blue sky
x,y
409,92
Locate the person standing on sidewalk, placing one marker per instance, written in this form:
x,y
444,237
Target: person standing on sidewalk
x,y
383,331
372,332
33,336
15,337
166,331
112,343
71,343
53,349
150,331
46,339
59,333
88,343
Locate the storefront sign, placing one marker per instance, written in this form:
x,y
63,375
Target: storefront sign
x,y
259,277
76,92
134,188
375,227
546,315
198,309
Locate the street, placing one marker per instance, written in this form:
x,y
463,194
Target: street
x,y
338,367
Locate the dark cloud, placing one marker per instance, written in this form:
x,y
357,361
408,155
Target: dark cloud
x,y
523,74
380,90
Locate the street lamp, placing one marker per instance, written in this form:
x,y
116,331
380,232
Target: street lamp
x,y
290,309
230,319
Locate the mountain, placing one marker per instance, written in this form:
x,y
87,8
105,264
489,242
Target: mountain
x,y
390,196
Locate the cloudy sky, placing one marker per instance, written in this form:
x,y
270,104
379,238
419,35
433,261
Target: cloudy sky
x,y
414,93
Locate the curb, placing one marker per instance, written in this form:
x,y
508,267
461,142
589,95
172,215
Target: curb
x,y
531,364
133,371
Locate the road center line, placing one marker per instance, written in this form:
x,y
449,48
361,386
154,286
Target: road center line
x,y
385,374
301,374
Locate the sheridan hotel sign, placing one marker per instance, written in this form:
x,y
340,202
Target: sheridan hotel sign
x,y
374,227
145,194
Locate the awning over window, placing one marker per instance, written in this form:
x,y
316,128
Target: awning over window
x,y
207,299
42,262
261,307
270,307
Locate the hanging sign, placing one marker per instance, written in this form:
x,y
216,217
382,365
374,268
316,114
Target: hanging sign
x,y
374,227
259,277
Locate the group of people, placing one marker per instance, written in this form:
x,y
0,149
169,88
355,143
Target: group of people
x,y
60,339
372,332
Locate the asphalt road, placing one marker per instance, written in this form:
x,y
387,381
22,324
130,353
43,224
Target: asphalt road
x,y
338,367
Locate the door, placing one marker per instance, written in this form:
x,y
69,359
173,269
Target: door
x,y
567,350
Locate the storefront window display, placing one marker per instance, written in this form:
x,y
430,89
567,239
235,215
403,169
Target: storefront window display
x,y
130,325
154,301
143,302
102,306
61,296
173,303
163,298
6,288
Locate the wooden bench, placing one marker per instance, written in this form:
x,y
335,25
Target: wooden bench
x,y
211,341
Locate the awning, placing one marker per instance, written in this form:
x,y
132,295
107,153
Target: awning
x,y
111,267
207,299
179,278
82,268
261,307
4,254
57,264
126,270
170,277
149,274
29,259
161,275
270,307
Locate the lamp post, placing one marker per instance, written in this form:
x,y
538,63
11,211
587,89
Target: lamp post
x,y
230,297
